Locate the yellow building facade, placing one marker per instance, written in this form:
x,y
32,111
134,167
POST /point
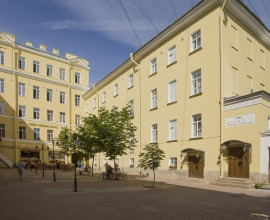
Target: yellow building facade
x,y
41,92
200,89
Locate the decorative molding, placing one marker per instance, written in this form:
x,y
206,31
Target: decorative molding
x,y
242,104
240,120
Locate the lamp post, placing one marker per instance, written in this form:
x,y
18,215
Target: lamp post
x,y
54,179
42,148
76,144
36,149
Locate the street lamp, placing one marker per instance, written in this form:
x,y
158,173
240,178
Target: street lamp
x,y
76,144
42,148
36,149
57,143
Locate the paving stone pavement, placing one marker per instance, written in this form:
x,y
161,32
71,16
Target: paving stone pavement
x,y
37,197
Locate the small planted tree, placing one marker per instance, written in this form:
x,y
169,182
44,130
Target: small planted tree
x,y
151,158
65,140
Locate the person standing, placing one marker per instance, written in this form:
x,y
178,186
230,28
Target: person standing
x,y
20,166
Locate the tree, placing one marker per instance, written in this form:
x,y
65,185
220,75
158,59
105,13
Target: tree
x,y
89,136
151,158
65,140
116,132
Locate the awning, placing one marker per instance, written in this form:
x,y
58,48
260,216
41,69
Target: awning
x,y
189,150
235,142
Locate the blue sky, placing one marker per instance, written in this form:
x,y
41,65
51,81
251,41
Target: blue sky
x,y
103,31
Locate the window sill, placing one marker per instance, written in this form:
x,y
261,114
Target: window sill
x,y
152,109
155,73
234,48
195,51
171,141
172,168
195,138
171,103
198,94
262,67
130,87
171,63
115,95
250,59
153,142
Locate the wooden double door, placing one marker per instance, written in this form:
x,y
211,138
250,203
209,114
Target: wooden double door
x,y
238,162
195,166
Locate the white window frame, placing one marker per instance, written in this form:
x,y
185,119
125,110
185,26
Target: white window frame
x,y
195,40
131,162
172,91
131,106
35,66
171,54
49,70
77,120
130,80
49,115
49,95
173,162
36,134
86,107
36,92
21,89
36,113
77,100
22,132
2,57
196,82
49,135
2,130
173,130
77,77
153,66
103,97
2,108
62,73
21,63
115,90
94,102
154,133
153,100
22,111
196,126
62,117
2,85
62,97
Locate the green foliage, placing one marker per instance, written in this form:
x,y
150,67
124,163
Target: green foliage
x,y
152,157
65,140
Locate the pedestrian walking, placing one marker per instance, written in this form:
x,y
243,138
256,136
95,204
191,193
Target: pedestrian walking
x,y
20,166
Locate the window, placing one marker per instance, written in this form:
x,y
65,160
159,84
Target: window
x,y
249,49
268,122
77,100
196,126
49,135
104,161
21,63
94,104
36,92
130,80
154,133
62,117
2,108
36,113
153,66
103,97
2,85
173,162
2,57
196,40
49,115
115,90
35,66
172,130
262,58
154,98
21,89
49,95
49,70
62,74
22,111
86,107
131,162
131,107
77,77
172,92
117,161
196,82
234,37
37,134
62,97
22,132
131,139
95,162
2,130
77,120
171,55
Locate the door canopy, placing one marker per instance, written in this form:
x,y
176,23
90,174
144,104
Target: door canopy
x,y
192,151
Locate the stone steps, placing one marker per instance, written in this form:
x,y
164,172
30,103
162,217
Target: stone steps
x,y
234,182
6,161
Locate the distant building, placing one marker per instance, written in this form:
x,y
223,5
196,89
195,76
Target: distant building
x,y
200,89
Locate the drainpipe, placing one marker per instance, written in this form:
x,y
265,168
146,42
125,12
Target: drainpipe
x,y
13,60
94,87
221,81
140,102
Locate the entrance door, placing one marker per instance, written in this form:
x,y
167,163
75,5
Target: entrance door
x,y
196,166
238,162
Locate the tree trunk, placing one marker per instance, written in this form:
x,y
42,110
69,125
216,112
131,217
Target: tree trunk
x,y
93,165
154,177
115,169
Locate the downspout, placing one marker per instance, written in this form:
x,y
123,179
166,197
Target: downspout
x,y
94,87
140,104
221,86
16,99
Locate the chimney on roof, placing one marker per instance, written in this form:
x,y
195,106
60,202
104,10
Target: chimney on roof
x,y
55,51
29,44
42,47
